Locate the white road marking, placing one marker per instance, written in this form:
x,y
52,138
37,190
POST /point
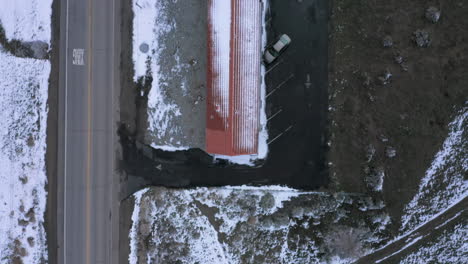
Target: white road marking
x,y
275,114
274,66
78,57
65,144
279,86
278,136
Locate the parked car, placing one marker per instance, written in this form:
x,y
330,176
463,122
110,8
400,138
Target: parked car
x,y
272,52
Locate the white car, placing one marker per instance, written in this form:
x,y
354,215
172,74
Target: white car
x,y
276,49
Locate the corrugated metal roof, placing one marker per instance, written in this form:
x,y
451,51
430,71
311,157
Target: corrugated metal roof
x,y
233,96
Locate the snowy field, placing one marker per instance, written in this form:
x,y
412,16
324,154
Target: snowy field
x,y
253,225
23,115
26,20
445,182
151,26
23,111
450,247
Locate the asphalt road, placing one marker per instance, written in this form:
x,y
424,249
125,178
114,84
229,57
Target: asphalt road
x,y
87,212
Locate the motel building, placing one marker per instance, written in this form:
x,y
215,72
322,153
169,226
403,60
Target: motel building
x,y
234,76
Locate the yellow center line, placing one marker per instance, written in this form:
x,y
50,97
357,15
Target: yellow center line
x,y
88,154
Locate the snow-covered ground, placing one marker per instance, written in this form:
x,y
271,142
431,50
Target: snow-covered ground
x,y
133,258
270,224
23,115
26,20
152,24
449,248
445,181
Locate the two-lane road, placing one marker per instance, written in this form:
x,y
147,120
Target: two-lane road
x,y
87,193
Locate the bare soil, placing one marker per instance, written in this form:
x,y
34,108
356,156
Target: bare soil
x,y
129,99
52,137
408,111
125,223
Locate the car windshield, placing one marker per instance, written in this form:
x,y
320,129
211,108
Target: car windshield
x,y
273,52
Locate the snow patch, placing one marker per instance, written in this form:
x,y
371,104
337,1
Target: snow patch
x,y
263,134
168,148
220,13
444,183
248,224
23,111
151,24
449,247
132,258
26,20
408,243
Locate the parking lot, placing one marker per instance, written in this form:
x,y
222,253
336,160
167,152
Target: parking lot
x,y
297,91
296,85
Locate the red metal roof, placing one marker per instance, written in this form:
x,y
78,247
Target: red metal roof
x,y
233,95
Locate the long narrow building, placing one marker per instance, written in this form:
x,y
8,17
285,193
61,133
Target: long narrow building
x,y
234,77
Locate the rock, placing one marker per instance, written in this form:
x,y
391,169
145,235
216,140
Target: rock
x,y
433,14
267,201
387,41
422,38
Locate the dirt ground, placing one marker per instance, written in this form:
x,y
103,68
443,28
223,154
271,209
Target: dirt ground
x,y
52,138
129,100
390,106
183,76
